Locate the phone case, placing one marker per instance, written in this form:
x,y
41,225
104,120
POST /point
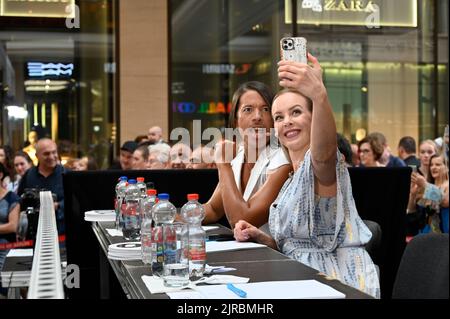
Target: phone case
x,y
293,49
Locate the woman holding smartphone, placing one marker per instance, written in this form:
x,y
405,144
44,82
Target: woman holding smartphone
x,y
314,218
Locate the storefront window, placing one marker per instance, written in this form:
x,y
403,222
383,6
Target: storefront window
x,y
380,60
57,69
235,42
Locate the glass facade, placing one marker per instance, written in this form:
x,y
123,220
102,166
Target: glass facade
x,y
384,62
58,74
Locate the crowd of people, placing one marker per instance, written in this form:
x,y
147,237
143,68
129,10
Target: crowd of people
x,y
295,197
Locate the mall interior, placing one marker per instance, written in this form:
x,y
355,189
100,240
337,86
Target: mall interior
x,y
93,74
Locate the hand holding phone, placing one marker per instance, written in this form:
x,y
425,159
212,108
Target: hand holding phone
x,y
294,49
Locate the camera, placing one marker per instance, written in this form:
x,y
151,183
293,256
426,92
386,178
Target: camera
x,y
288,44
29,216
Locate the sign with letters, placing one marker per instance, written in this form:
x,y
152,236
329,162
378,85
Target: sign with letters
x,y
369,13
39,69
37,8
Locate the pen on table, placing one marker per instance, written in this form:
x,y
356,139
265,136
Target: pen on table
x,y
237,291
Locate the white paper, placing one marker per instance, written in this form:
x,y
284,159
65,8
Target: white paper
x,y
114,232
20,253
206,228
222,279
155,285
185,294
297,289
213,246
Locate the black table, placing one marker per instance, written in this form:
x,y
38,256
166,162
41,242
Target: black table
x,y
261,264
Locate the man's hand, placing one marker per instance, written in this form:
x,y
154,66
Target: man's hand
x,y
224,152
244,231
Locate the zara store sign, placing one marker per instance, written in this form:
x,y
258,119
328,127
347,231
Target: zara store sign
x,y
37,8
398,13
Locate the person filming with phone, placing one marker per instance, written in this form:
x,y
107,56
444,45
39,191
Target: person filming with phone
x,y
314,218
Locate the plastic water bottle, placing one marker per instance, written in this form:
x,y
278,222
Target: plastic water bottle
x,y
142,186
132,214
119,202
193,214
22,228
146,226
162,212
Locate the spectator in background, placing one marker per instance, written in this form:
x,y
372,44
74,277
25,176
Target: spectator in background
x,y
345,149
426,149
429,198
6,158
159,155
355,155
180,155
155,135
201,158
47,175
407,151
30,148
22,162
386,159
141,138
9,218
86,163
71,163
140,158
126,156
370,152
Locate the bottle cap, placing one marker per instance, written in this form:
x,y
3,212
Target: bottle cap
x,y
132,181
163,196
151,192
123,178
140,179
192,196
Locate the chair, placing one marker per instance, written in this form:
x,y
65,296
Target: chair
x,y
374,244
423,270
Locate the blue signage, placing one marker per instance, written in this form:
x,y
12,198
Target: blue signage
x,y
38,69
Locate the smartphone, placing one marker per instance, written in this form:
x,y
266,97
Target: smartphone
x,y
293,49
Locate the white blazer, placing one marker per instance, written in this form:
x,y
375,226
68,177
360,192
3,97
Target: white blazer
x,y
268,160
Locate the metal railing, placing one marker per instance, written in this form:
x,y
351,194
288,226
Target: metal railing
x,y
46,275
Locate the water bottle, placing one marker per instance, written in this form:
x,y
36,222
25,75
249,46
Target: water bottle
x,y
132,213
146,226
142,186
193,214
163,212
22,227
119,204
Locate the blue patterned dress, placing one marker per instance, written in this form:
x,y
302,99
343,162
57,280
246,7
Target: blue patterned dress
x,y
326,234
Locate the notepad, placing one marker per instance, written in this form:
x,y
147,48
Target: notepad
x,y
214,246
296,289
